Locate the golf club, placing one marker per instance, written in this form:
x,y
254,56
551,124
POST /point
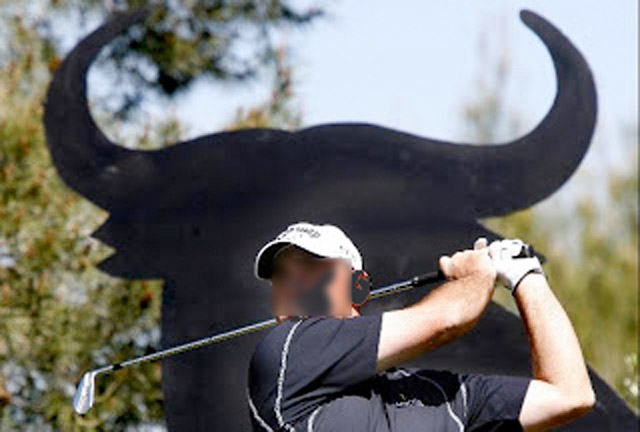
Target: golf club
x,y
83,398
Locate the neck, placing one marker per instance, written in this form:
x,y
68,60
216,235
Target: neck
x,y
354,312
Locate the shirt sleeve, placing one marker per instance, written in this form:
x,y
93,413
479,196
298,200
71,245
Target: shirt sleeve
x,y
494,401
327,355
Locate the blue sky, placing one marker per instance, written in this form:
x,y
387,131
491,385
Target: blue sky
x,y
413,65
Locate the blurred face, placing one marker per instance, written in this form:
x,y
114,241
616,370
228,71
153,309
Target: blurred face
x,y
305,284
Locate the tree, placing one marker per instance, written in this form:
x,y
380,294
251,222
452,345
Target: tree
x,y
59,315
179,43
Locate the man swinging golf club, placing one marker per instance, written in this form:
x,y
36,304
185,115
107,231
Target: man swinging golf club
x,y
325,367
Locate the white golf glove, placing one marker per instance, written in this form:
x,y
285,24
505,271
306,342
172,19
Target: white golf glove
x,y
512,270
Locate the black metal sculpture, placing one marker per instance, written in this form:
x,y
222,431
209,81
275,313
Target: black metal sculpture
x,y
195,214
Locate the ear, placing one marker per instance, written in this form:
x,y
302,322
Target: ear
x,y
360,287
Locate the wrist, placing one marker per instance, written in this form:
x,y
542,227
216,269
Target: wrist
x,y
512,272
531,282
488,272
485,276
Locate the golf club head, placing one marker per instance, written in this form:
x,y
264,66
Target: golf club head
x,y
83,398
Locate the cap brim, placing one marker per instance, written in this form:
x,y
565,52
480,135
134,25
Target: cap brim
x,y
264,260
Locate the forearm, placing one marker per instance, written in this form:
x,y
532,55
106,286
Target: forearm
x,y
446,313
459,303
555,350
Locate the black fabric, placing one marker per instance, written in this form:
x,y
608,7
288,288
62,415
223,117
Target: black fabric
x,y
495,400
328,379
325,357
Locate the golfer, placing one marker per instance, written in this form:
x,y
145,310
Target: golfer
x,y
339,370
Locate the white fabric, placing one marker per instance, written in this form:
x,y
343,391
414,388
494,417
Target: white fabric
x,y
463,389
312,418
512,270
324,240
283,370
256,416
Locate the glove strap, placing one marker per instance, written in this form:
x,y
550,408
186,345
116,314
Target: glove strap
x,y
533,270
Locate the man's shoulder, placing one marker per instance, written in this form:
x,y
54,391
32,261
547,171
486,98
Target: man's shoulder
x,y
275,338
273,341
307,329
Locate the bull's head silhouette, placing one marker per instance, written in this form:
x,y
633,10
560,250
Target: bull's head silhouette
x,y
195,214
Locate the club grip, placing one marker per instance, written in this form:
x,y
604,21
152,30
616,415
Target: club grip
x,y
437,276
426,278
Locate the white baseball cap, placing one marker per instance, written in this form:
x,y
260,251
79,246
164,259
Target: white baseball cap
x,y
325,240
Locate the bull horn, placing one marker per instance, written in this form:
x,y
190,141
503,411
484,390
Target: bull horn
x,y
85,158
487,180
508,177
498,179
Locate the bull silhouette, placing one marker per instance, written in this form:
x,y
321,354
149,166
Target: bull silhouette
x,y
194,214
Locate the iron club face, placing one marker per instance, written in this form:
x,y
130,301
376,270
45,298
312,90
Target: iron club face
x,y
83,398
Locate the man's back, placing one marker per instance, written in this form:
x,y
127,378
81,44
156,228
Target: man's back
x,y
319,374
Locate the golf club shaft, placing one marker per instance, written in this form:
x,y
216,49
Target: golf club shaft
x,y
219,337
84,395
395,288
416,281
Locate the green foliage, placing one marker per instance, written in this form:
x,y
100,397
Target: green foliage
x,y
182,40
277,111
57,312
59,315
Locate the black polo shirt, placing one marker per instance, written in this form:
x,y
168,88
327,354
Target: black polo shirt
x,y
319,374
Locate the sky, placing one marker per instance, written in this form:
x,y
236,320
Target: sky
x,y
413,65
